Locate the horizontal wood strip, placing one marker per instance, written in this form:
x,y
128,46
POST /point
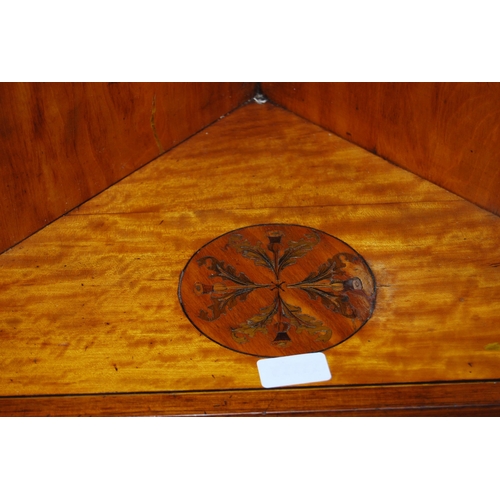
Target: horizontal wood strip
x,y
480,398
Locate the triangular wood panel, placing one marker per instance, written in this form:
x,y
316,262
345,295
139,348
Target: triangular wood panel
x,y
89,305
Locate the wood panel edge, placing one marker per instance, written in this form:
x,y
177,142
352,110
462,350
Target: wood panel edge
x,y
439,399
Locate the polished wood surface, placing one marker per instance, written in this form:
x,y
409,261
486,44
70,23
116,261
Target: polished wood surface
x,y
62,143
89,312
448,133
444,399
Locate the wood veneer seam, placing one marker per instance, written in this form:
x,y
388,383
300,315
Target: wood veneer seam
x,y
161,149
293,207
258,390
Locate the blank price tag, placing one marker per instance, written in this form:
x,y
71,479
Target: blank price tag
x,y
293,370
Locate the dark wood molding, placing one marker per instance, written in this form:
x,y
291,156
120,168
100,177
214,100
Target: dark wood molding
x,y
447,399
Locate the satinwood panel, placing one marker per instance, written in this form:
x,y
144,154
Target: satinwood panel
x,y
448,133
89,305
62,143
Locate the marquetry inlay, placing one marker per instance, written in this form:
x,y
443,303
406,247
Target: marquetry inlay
x,y
277,289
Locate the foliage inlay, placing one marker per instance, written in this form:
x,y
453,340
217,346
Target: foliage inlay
x,y
277,290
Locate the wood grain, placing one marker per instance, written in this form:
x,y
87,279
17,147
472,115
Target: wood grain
x,y
62,143
448,133
457,399
89,306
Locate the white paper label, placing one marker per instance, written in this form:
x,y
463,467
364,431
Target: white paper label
x,y
293,370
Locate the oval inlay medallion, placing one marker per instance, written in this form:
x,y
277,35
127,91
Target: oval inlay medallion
x,y
277,290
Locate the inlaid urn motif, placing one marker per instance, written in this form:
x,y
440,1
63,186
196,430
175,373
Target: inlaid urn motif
x,y
277,290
